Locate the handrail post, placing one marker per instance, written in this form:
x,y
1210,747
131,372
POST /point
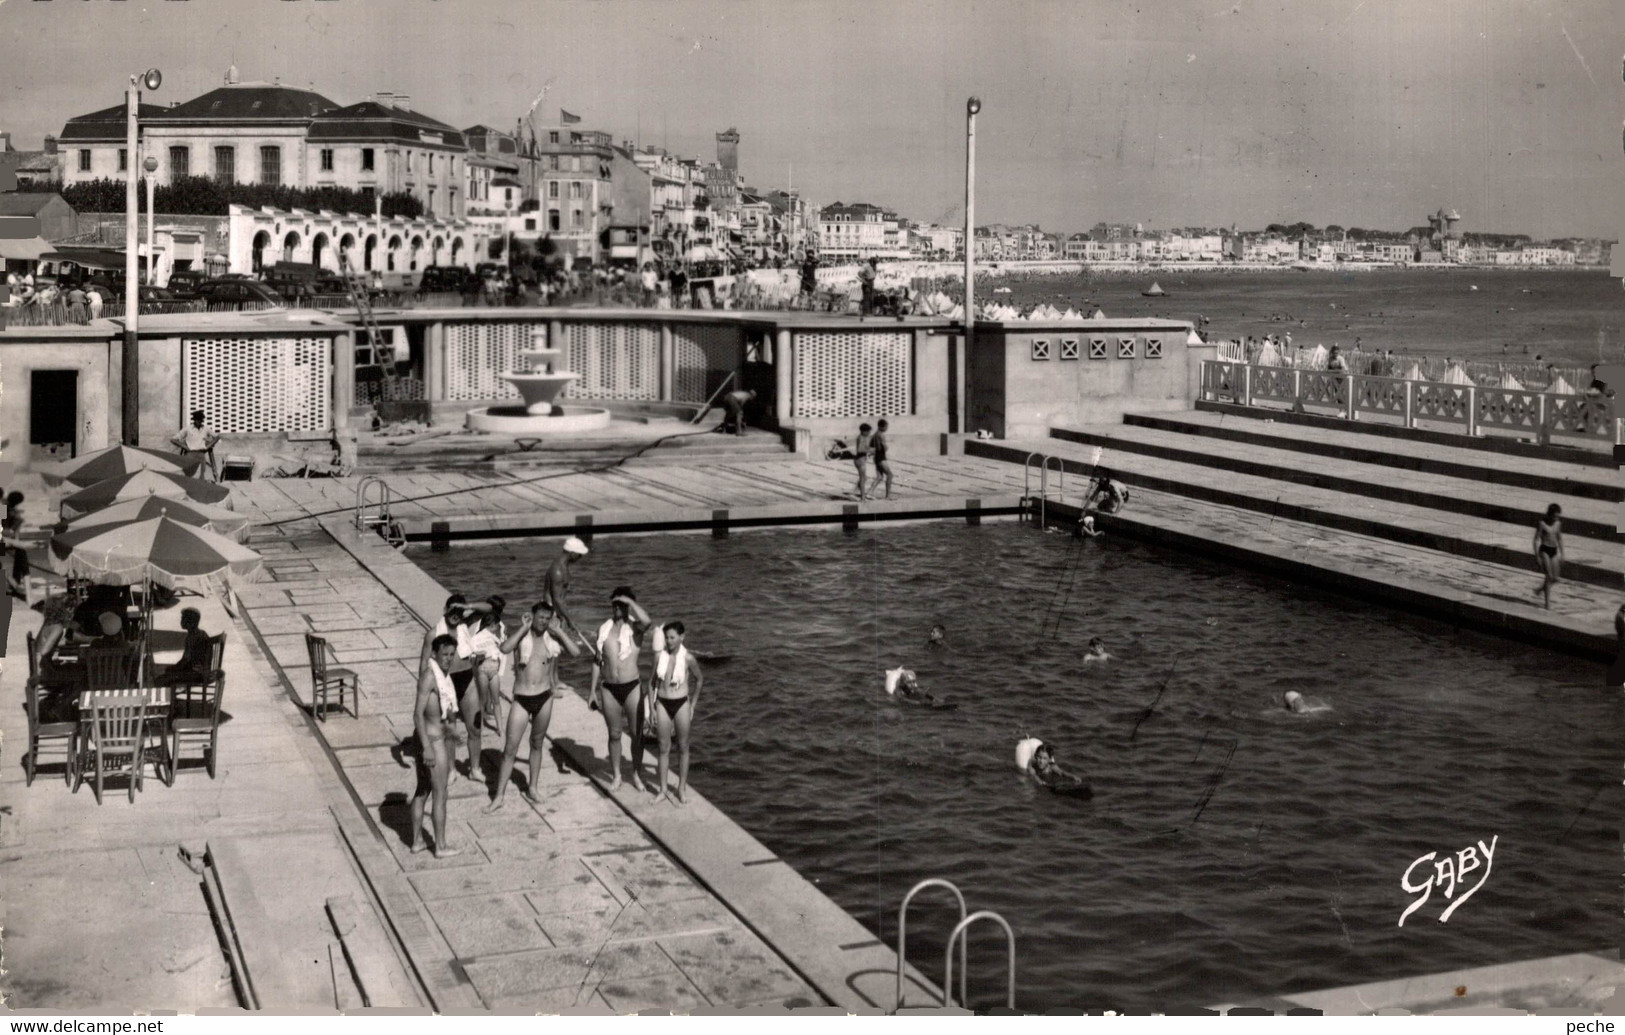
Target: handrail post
x,y
1350,384
1472,410
902,937
959,932
1246,384
1297,390
1543,434
1410,403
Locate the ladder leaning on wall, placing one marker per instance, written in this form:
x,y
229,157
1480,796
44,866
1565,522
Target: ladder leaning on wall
x,y
383,353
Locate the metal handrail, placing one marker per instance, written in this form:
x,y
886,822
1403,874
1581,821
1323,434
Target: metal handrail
x,y
361,500
1026,474
959,933
1043,487
902,936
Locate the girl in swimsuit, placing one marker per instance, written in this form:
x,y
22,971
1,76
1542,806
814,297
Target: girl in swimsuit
x,y
1548,545
677,685
860,458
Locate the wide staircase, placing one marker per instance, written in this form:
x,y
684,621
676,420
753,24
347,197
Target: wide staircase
x,y
1441,523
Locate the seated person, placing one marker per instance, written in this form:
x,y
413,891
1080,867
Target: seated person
x,y
58,628
111,628
196,655
1105,494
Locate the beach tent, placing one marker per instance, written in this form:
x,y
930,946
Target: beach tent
x,y
1414,373
1071,314
1509,382
1194,339
1315,360
1268,357
1560,386
1456,375
1099,314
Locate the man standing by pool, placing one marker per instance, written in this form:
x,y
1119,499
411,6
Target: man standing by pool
x,y
882,462
539,641
557,585
460,670
677,687
615,670
436,701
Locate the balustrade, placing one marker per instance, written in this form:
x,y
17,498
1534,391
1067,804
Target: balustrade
x,y
1542,415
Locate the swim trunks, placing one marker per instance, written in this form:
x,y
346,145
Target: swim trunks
x,y
532,703
1550,551
673,705
621,690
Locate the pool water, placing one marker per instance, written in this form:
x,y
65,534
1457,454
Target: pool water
x,y
1231,848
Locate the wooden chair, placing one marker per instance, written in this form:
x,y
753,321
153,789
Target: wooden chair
x,y
117,721
40,730
110,668
188,688
325,679
198,719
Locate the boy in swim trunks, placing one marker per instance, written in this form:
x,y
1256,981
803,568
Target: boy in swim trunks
x,y
677,687
539,640
436,704
616,681
1549,550
882,463
860,458
455,624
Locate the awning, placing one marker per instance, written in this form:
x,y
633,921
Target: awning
x,y
25,248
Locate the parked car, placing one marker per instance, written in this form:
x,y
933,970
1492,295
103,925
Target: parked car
x,y
446,279
184,282
236,292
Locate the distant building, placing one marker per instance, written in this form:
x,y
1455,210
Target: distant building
x,y
857,231
57,219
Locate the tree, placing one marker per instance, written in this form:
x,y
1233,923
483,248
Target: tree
x,y
203,196
1333,230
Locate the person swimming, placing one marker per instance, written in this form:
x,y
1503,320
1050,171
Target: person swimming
x,y
1096,651
1037,760
1298,704
938,638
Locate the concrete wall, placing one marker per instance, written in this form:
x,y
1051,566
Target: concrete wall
x,y
160,386
85,350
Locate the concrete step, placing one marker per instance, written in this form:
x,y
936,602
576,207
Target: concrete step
x,y
1589,561
1578,451
1564,477
1582,516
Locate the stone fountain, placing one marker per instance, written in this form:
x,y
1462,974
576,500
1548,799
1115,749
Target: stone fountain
x,y
539,385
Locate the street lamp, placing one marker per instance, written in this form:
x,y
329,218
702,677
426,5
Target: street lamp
x,y
151,166
131,394
972,106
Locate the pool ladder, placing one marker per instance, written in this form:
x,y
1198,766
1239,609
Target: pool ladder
x,y
380,520
960,935
1042,498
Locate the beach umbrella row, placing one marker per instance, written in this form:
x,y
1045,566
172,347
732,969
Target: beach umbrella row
x,y
114,461
141,484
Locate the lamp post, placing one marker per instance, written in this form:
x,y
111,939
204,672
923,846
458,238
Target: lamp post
x,y
972,106
131,394
150,164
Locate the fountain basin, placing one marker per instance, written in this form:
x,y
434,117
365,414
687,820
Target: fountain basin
x,y
539,390
518,420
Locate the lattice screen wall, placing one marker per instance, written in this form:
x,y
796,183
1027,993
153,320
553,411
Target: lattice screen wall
x,y
256,385
478,351
615,360
704,356
853,375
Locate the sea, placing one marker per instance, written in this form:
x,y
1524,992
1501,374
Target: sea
x,y
1231,849
1567,317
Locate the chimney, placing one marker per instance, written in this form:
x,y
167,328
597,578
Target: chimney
x,y
403,101
384,97
5,141
50,145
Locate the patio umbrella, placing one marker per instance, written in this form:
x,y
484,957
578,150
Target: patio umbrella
x,y
113,461
218,520
159,550
139,485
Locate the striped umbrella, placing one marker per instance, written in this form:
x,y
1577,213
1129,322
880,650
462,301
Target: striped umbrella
x,y
113,461
159,550
139,485
218,520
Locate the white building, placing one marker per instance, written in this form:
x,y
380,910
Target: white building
x,y
259,237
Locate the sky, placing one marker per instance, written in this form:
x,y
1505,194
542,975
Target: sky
x,y
1368,113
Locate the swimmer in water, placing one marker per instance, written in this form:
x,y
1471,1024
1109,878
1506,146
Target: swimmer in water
x,y
908,687
1096,651
938,639
1045,770
1298,704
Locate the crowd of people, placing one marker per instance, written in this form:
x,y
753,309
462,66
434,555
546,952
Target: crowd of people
x,y
460,694
79,302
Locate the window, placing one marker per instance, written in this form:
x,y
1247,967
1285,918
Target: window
x,y
530,224
366,159
431,201
575,218
552,219
553,162
84,160
507,199
575,188
431,165
553,138
552,188
271,165
123,160
369,193
327,159
180,162
451,201
225,165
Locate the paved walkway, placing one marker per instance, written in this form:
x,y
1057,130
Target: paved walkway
x,y
571,903
100,909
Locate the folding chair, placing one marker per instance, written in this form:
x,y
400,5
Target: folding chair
x,y
325,679
40,730
117,721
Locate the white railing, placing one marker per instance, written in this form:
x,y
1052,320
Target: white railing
x,y
1477,409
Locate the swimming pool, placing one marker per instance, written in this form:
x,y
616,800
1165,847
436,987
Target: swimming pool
x,y
1231,849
